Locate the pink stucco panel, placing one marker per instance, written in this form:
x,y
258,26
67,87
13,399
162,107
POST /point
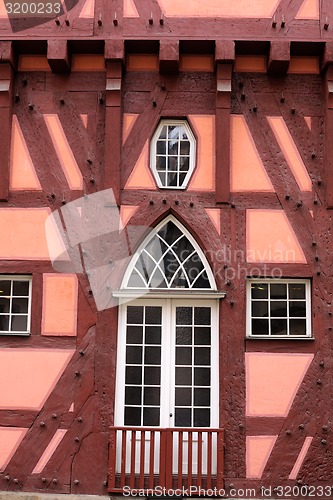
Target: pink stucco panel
x,y
60,296
258,450
10,439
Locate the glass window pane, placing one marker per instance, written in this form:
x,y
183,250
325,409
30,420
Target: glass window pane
x,y
4,323
172,179
184,147
297,327
151,416
133,355
260,308
297,309
173,148
184,164
21,288
153,335
183,417
183,376
183,356
260,327
184,315
202,356
152,375
163,133
134,335
4,305
134,314
182,178
201,397
202,281
296,291
133,395
172,163
161,147
201,417
153,315
152,355
279,308
202,336
279,327
161,163
151,396
173,131
133,375
183,396
202,315
132,415
19,323
162,177
259,290
201,376
183,335
278,291
19,305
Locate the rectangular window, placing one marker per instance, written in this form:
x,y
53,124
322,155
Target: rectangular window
x,y
15,305
278,308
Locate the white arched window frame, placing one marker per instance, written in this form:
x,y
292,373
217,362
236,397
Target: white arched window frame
x,y
169,286
173,154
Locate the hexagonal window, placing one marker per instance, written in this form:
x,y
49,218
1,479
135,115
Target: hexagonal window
x,y
172,154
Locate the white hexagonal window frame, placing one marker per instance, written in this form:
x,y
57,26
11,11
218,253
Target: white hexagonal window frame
x,y
172,154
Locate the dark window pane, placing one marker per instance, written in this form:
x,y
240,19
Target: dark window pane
x,y
19,323
151,416
173,131
134,335
20,288
162,177
133,355
193,267
202,356
4,323
152,375
135,314
183,376
184,147
201,417
152,355
278,291
151,396
183,356
202,335
184,315
157,280
172,163
182,178
296,291
297,327
260,308
133,395
202,281
201,397
153,315
173,148
202,315
136,280
259,290
153,335
201,376
132,416
4,305
184,164
297,309
260,327
183,417
170,232
279,308
163,133
183,396
161,163
133,375
279,327
172,179
183,335
20,306
161,147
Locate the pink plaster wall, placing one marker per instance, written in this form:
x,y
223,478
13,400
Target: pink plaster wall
x,y
25,234
141,176
247,170
10,439
301,457
126,212
29,375
308,10
22,171
272,380
64,152
60,294
215,216
271,238
258,450
88,9
128,122
51,448
219,8
130,9
203,178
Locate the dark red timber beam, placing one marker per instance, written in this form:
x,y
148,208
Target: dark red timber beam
x,y
328,68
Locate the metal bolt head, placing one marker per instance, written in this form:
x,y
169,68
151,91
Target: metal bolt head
x,y
77,439
77,374
288,432
7,477
54,416
76,482
301,426
43,479
80,419
323,441
42,424
54,480
15,480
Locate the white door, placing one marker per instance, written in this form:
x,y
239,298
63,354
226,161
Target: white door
x,y
167,366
